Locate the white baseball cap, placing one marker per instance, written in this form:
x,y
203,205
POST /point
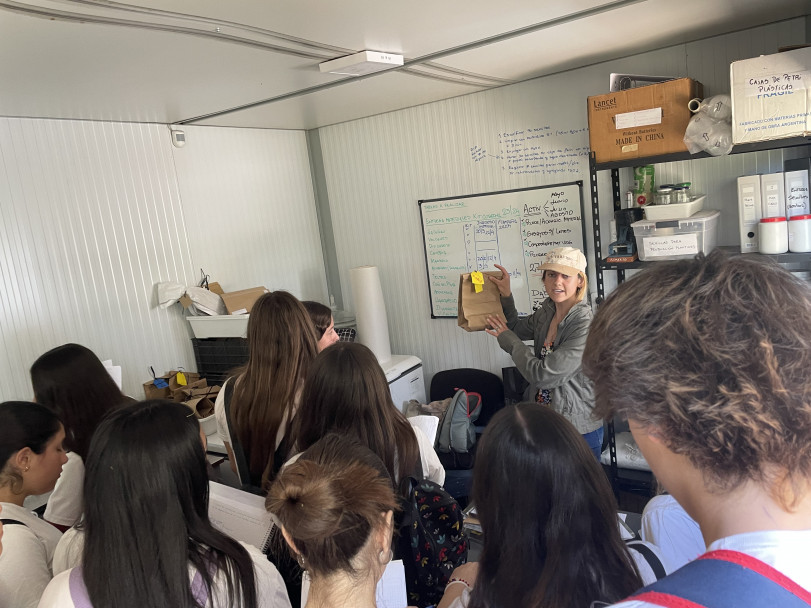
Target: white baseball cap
x,y
566,260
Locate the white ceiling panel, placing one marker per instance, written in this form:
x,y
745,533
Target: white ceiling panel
x,y
173,61
624,31
89,71
383,93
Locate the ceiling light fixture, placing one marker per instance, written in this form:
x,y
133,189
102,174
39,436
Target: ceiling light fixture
x,y
361,63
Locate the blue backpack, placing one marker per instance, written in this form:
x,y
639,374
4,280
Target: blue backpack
x,y
725,579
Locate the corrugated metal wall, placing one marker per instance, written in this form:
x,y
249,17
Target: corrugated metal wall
x,y
93,214
378,168
90,220
250,209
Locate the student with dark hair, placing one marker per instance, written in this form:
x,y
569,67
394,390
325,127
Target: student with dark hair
x,y
146,536
321,316
31,458
72,381
709,360
553,365
549,520
346,392
336,505
257,405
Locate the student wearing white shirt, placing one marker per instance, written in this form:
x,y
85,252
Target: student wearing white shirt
x,y
147,539
346,392
709,360
264,394
31,458
72,381
667,525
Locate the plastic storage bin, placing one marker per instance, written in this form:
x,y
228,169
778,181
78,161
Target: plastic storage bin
x,y
678,238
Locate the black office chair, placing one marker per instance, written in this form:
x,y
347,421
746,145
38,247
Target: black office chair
x,y
444,384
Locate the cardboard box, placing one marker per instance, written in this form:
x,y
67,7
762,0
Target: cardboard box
x,y
241,302
771,96
646,121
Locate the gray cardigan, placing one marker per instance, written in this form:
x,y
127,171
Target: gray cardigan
x,y
560,372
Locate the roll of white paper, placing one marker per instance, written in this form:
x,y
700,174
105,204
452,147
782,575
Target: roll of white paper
x,y
370,311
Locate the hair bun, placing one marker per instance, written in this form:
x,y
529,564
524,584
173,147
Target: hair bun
x,y
305,501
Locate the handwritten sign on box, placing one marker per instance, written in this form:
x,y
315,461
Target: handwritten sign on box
x,y
666,246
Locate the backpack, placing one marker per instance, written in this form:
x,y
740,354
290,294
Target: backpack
x,y
456,432
431,541
722,579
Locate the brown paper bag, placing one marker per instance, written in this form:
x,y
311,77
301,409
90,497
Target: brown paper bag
x,y
151,391
202,407
181,393
474,308
206,391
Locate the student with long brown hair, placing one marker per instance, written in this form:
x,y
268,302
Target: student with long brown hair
x,y
321,316
346,392
72,381
263,395
336,506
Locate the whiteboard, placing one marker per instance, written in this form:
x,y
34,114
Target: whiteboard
x,y
512,228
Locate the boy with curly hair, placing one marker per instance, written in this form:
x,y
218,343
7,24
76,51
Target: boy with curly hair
x,y
709,359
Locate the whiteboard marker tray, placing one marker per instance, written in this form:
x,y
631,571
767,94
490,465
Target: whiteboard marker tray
x,y
219,326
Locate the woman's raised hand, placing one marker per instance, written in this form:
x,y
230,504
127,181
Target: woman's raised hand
x,y
503,283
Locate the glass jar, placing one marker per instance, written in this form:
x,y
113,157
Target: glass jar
x,y
687,190
664,195
681,194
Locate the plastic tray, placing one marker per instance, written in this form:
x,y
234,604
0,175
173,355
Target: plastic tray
x,y
674,211
219,326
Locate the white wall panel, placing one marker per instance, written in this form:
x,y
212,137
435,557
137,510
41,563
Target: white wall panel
x,y
90,220
378,168
250,209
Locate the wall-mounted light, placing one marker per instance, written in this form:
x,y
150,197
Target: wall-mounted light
x,y
178,136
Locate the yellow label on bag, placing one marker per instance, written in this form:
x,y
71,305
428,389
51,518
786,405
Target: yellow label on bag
x,y
181,379
478,281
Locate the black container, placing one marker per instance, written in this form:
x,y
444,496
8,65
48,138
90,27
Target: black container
x,y
625,242
217,358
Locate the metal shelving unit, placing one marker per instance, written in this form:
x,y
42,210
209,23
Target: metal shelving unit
x,y
641,482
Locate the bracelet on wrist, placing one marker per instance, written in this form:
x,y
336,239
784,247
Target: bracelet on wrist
x,y
458,580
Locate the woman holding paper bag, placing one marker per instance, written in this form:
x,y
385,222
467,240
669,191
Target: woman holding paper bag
x,y
559,328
